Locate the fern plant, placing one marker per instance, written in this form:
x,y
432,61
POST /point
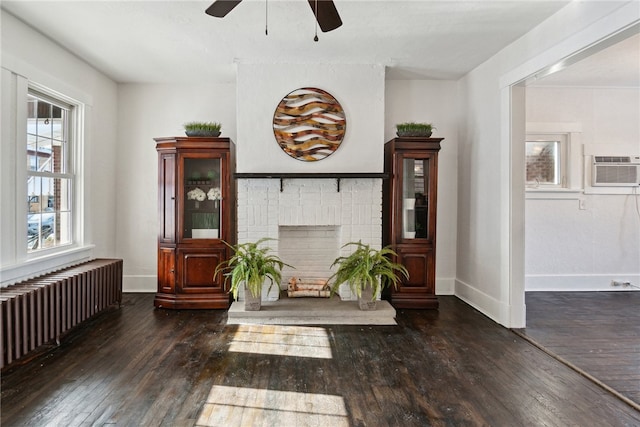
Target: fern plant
x,y
365,267
251,265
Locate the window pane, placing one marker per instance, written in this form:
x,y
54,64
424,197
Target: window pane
x,y
49,194
59,156
40,230
59,130
63,228
33,194
62,199
44,155
32,153
48,191
542,161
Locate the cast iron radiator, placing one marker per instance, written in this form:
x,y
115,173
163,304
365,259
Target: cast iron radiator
x,y
39,310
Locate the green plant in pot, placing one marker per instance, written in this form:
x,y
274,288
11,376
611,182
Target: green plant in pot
x,y
414,129
202,128
250,266
367,271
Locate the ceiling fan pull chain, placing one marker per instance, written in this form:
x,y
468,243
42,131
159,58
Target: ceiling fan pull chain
x,y
315,38
266,17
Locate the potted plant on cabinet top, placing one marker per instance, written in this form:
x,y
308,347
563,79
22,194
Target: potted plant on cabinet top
x,y
414,129
250,266
367,271
202,129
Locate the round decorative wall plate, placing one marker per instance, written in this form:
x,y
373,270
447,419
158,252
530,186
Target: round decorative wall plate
x,y
309,124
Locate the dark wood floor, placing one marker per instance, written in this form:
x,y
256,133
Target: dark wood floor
x,y
598,332
454,367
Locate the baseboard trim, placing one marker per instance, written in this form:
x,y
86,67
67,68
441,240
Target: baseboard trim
x,y
580,282
484,303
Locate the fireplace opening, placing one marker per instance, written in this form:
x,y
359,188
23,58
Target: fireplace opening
x,y
311,249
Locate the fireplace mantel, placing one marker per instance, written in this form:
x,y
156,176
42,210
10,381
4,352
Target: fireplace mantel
x,y
282,176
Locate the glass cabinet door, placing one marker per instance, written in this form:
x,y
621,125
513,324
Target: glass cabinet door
x,y
415,206
203,197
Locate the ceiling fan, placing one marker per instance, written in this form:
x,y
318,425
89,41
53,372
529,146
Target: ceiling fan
x,y
324,10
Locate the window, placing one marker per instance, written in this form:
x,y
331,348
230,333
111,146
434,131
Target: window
x,y
546,160
50,178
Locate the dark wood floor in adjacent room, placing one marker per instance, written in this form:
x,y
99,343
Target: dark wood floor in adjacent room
x,y
137,366
598,332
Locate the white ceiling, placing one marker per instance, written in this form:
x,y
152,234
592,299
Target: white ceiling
x,y
175,41
617,65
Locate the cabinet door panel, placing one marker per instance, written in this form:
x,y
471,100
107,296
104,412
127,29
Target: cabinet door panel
x,y
419,264
166,270
196,268
201,196
167,198
417,187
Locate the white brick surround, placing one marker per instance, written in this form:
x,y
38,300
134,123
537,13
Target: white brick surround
x,y
354,213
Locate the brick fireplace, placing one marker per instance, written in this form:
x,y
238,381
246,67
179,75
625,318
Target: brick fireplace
x,y
310,220
310,213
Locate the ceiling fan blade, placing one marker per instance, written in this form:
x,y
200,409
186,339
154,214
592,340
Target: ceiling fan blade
x,y
220,8
327,14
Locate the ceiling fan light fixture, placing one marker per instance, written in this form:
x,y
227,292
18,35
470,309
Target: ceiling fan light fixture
x,y
266,17
324,11
315,14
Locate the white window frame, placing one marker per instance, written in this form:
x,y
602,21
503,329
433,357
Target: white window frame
x,y
15,262
74,165
561,163
572,184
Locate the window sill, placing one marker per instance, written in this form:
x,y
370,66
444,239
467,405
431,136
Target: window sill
x,y
553,193
38,264
633,190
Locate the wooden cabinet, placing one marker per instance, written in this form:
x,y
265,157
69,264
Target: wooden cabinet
x,y
409,217
196,209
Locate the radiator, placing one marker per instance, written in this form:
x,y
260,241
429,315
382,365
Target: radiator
x,y
39,310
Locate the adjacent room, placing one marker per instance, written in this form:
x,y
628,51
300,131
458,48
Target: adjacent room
x,y
521,312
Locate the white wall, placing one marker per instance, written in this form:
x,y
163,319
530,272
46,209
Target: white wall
x,y
147,111
569,248
358,88
436,102
27,55
488,223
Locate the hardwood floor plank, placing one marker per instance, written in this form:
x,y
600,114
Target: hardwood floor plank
x,y
146,367
599,332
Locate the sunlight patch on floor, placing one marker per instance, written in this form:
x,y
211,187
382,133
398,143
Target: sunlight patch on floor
x,y
240,406
282,340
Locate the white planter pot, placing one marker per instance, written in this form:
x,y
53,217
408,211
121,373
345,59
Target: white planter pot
x,y
410,204
252,303
366,301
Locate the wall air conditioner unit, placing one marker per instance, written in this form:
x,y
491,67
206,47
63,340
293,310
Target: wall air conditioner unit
x,y
615,171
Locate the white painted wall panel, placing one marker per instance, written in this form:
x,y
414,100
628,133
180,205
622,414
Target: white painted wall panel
x,y
601,242
147,111
485,171
27,53
358,88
